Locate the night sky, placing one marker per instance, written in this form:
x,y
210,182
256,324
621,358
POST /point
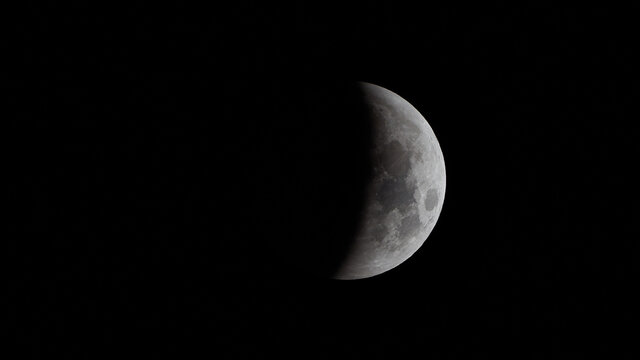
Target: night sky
x,y
168,162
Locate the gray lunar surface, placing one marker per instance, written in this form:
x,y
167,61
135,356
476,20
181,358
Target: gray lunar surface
x,y
405,194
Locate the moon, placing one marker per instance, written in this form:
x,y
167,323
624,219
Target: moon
x,y
405,193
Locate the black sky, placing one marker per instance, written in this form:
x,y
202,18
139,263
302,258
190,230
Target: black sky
x,y
163,155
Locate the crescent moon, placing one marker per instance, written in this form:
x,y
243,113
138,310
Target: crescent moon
x,y
406,192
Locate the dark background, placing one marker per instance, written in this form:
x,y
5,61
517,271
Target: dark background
x,y
169,165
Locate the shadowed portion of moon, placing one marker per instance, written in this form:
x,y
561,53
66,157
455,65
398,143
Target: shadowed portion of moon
x,y
405,192
319,167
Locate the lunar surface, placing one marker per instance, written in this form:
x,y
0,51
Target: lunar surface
x,y
405,194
